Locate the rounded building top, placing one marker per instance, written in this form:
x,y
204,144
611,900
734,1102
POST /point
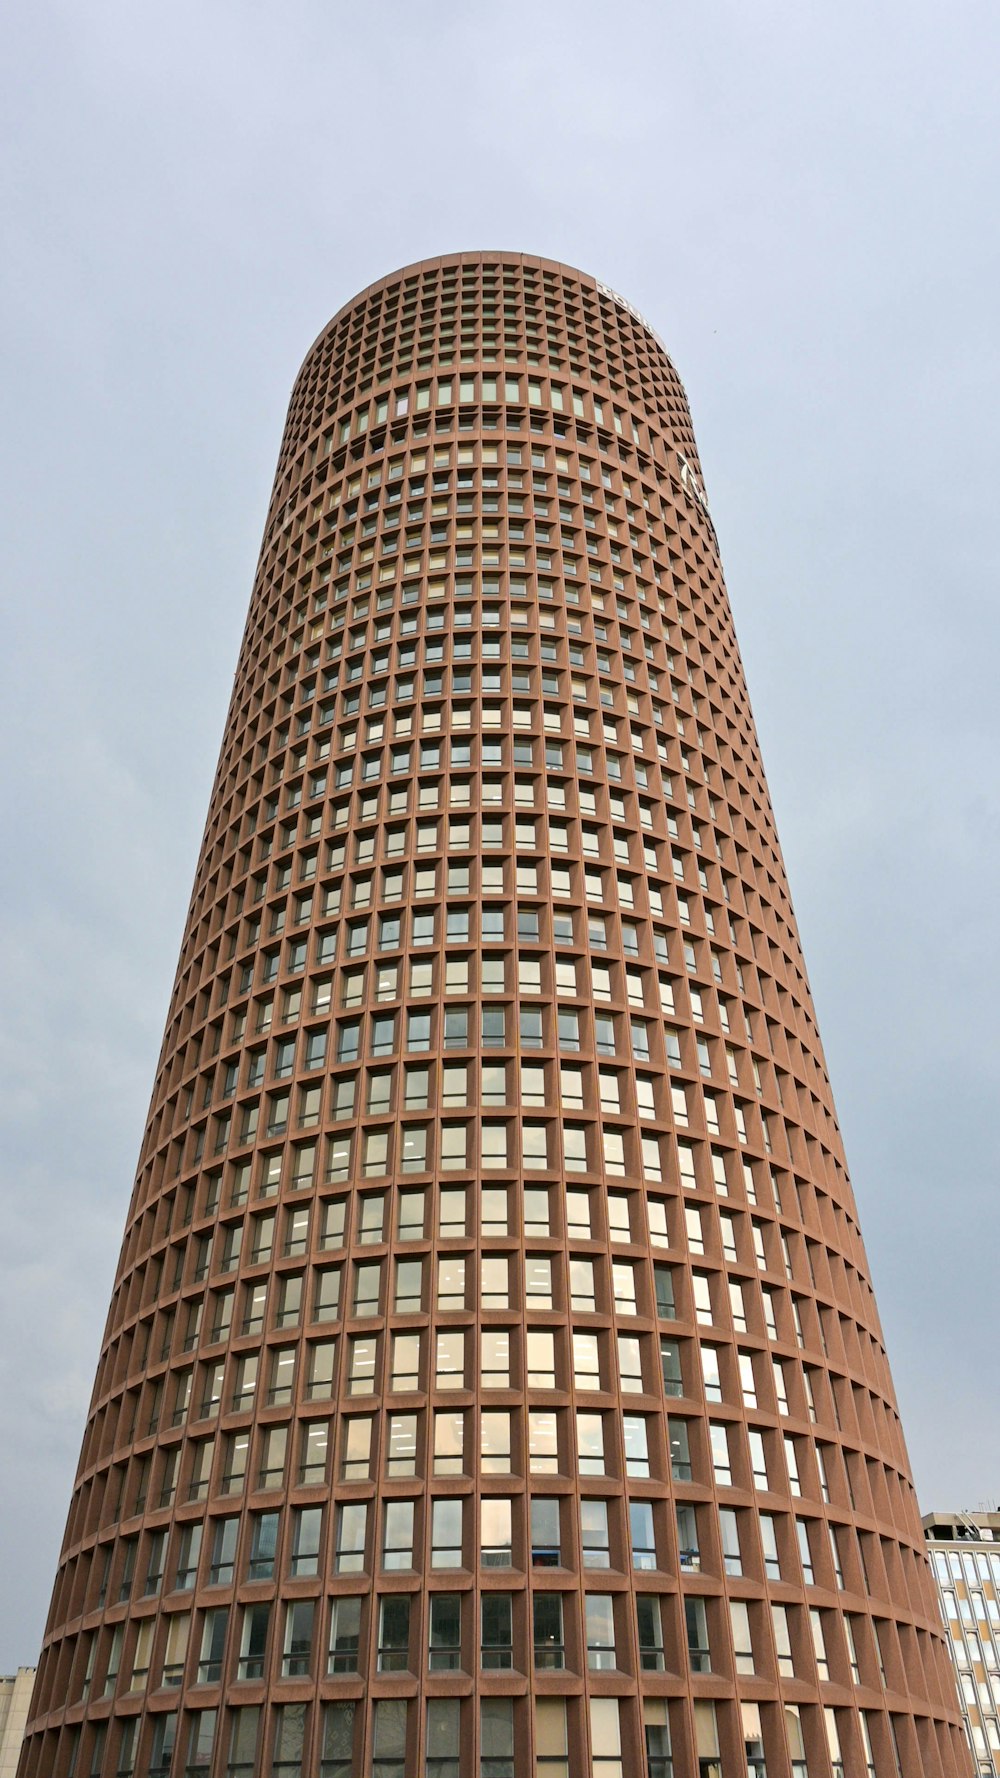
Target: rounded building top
x,y
419,267
499,314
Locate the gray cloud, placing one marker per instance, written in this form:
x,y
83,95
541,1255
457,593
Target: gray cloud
x,y
803,203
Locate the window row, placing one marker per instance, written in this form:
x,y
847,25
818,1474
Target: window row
x,y
547,1631
448,1738
613,1535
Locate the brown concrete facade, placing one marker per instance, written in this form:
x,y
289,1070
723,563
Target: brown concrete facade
x,y
493,1383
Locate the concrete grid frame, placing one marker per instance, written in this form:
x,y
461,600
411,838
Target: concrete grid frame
x,y
493,1383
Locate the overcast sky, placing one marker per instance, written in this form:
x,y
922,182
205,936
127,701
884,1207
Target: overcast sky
x,y
803,200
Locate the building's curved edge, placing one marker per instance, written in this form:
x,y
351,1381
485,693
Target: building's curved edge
x,y
474,256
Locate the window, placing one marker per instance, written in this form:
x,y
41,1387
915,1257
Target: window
x,y
537,1216
730,1536
623,1282
852,1646
307,1525
605,1738
243,1737
494,1145
367,1283
349,1555
320,1363
696,1626
450,1359
642,1535
600,1626
401,1459
355,1461
782,1641
213,1644
586,1361
409,1286
758,1459
688,1549
543,1444
313,1452
453,1146
534,1147
835,1554
410,1222
445,1632
769,1541
590,1443
188,1551
332,1224
739,1619
497,1631
495,1444
496,1534
446,1533
397,1544
376,1151
493,1203
345,1634
297,1650
155,1560
805,1552
263,1544
594,1533
495,1282
282,1376
161,1751
670,1360
443,1738
648,1612
657,1736
545,1532
574,1148
337,1742
141,1654
719,1444
393,1633
272,1461
389,1738
547,1632
819,1644
223,1555
451,1282
405,1370
215,1627
496,1738
636,1445
663,1282
495,1358
289,1300
680,1450
870,1769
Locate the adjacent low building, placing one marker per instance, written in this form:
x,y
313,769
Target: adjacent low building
x,y
965,1556
15,1696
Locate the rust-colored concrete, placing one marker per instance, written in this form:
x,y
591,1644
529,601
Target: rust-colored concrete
x,y
491,1059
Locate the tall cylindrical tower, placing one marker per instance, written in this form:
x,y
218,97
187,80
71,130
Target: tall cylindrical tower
x,y
493,1384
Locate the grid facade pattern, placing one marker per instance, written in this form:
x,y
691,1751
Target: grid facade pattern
x,y
965,1556
493,1383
